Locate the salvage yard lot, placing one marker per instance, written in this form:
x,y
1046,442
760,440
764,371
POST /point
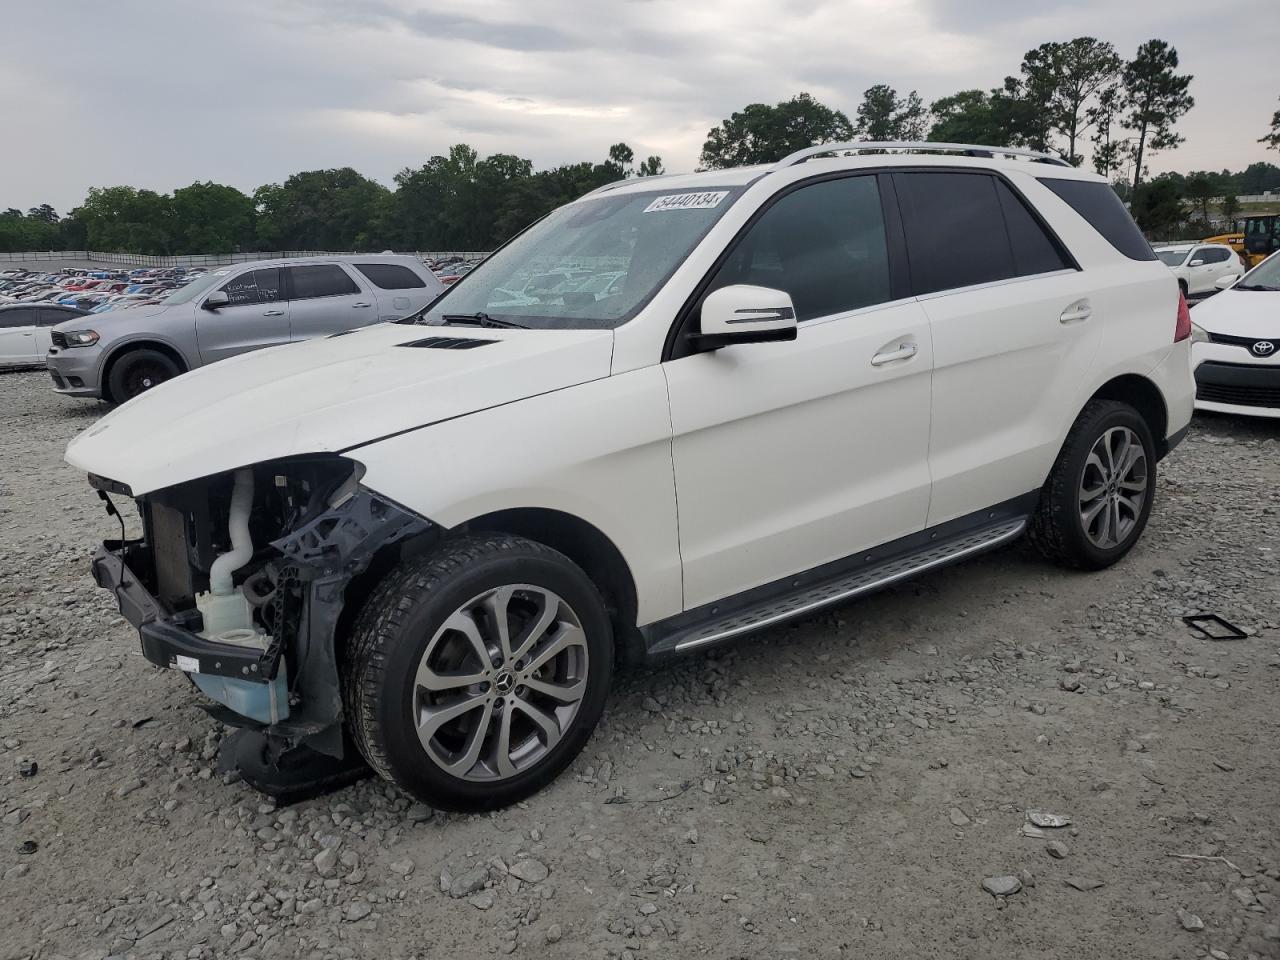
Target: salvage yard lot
x,y
837,787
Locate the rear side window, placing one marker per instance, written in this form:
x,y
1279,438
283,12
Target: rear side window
x,y
1212,255
321,280
390,276
21,317
1034,249
1098,204
955,228
823,243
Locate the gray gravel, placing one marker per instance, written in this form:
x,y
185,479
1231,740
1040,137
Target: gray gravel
x,y
839,787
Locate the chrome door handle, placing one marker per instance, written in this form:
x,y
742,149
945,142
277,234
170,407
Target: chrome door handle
x,y
273,313
355,305
1080,310
904,351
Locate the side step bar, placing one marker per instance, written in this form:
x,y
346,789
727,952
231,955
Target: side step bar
x,y
745,618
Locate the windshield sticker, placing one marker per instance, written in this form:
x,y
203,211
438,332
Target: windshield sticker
x,y
687,201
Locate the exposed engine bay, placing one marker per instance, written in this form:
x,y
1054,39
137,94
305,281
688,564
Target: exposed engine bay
x,y
241,580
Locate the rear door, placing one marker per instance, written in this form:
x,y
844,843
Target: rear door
x,y
325,298
399,289
18,336
1013,334
1216,262
256,316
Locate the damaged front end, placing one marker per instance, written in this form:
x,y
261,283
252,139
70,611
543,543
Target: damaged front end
x,y
242,581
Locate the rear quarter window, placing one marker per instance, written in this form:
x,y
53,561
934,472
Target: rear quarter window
x,y
390,276
1098,204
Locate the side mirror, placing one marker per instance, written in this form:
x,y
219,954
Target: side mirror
x,y
1196,263
745,314
1224,283
215,300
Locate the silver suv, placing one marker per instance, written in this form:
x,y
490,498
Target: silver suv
x,y
230,310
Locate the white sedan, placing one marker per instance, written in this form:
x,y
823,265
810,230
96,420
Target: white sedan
x,y
1199,266
25,330
1236,345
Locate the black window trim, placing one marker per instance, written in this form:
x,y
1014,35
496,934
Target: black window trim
x,y
679,343
1073,265
287,280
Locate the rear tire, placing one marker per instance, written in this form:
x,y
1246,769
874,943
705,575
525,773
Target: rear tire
x,y
475,674
138,371
1095,504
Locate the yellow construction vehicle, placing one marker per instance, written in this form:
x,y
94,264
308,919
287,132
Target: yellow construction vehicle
x,y
1258,240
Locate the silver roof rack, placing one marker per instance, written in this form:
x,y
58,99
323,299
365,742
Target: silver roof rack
x,y
625,181
969,149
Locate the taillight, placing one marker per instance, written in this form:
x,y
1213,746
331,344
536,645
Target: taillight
x,y
1182,329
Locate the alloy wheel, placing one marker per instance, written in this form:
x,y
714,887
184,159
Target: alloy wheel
x,y
500,682
1113,488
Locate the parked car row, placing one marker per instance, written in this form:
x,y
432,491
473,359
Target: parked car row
x,y
97,291
449,270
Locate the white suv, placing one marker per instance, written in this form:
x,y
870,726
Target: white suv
x,y
1199,266
811,379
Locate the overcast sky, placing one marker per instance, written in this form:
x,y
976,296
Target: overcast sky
x,y
161,94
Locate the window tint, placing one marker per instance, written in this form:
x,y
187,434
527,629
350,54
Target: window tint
x,y
956,235
1211,255
21,317
48,316
255,286
1034,250
321,280
390,276
824,244
1098,204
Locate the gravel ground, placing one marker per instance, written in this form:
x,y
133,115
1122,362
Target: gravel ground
x,y
854,784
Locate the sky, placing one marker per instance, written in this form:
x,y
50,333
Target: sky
x,y
165,93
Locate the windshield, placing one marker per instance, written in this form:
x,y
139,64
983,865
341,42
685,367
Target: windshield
x,y
195,287
589,265
1265,276
1173,258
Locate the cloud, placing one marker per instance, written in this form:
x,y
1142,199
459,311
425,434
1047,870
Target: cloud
x,y
247,93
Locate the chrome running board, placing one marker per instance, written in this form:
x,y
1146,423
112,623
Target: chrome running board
x,y
867,578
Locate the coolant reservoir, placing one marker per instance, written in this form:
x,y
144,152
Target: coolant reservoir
x,y
228,618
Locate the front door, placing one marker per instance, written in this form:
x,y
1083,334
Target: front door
x,y
789,455
256,316
18,336
324,298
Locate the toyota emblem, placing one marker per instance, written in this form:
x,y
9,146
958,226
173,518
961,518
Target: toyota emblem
x,y
1263,348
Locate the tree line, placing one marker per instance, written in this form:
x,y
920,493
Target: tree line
x,y
453,202
1067,97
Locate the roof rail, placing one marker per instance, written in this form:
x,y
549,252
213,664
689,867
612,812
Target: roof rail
x,y
969,149
614,184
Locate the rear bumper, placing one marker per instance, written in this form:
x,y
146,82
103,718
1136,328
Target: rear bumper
x,y
167,641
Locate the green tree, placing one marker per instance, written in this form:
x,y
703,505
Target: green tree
x,y
44,212
883,115
759,133
319,210
1259,178
212,218
1021,108
1272,137
126,219
1157,206
1230,207
1104,117
1155,97
1199,189
652,167
1083,69
967,117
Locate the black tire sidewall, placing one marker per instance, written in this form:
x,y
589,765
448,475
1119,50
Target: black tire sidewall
x,y
1093,556
409,762
121,367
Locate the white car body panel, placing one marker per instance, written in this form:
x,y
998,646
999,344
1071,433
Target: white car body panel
x,y
1251,314
325,395
801,453
1201,279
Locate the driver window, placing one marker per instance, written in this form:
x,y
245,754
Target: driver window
x,y
823,243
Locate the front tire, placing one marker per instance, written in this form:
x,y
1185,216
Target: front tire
x,y
138,371
1095,504
475,674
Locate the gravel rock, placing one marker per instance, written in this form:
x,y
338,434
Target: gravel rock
x,y
1005,886
530,871
1190,921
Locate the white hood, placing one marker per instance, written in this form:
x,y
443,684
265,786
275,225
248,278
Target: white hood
x,y
327,395
1241,313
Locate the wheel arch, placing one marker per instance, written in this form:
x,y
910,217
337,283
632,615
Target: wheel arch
x,y
588,547
119,352
1144,396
